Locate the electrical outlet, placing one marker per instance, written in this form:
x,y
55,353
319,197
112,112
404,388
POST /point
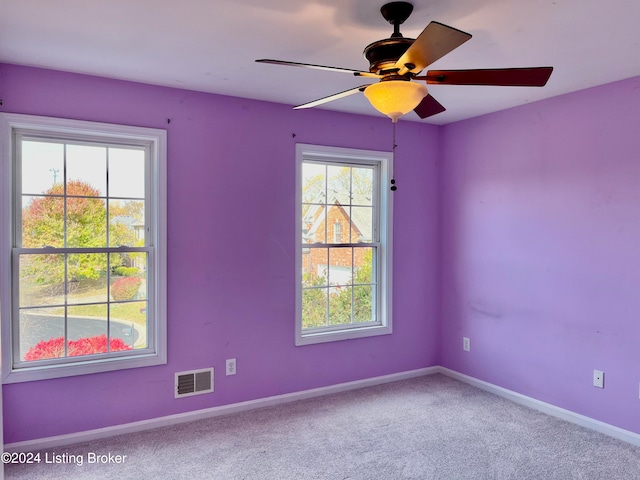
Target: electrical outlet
x,y
598,379
466,344
231,366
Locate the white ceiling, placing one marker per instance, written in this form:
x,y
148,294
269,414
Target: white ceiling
x,y
211,45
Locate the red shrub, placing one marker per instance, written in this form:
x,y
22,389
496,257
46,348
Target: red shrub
x,y
54,347
125,288
87,346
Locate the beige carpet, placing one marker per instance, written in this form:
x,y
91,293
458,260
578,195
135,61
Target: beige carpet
x,y
425,428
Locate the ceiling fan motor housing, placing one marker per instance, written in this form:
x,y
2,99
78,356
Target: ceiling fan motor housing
x,y
383,54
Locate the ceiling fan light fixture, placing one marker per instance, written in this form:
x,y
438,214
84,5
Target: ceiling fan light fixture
x,y
395,98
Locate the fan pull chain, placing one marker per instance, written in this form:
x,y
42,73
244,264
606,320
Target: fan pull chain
x,y
393,160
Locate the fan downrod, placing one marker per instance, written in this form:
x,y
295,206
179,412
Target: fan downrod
x,y
396,13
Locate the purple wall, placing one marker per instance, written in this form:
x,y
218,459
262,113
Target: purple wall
x,y
541,250
231,251
540,257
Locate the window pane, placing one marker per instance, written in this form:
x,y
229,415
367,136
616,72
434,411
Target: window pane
x,y
363,304
362,186
128,276
314,307
340,306
41,333
42,221
86,170
86,324
314,183
129,325
337,218
42,166
126,173
362,224
363,265
338,185
340,266
86,222
314,267
89,330
41,280
87,278
126,288
313,223
126,223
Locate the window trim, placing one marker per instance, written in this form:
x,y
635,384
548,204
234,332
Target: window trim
x,y
384,202
59,128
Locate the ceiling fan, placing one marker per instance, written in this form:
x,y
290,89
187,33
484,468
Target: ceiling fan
x,y
397,62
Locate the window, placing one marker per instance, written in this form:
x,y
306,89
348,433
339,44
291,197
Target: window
x,y
344,244
83,244
337,232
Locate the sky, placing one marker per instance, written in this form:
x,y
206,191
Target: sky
x,y
43,163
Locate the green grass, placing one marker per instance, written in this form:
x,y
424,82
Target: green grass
x,y
120,311
89,291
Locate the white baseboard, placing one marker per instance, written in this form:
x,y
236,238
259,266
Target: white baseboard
x,y
547,408
561,413
90,435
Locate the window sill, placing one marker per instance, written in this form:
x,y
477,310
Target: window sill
x,y
29,374
336,336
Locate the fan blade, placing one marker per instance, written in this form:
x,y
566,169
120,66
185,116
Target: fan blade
x,y
435,41
358,73
506,77
330,98
428,107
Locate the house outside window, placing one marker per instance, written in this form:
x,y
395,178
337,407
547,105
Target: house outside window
x,y
344,244
83,224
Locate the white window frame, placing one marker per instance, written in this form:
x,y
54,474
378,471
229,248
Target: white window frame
x,y
383,207
155,140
